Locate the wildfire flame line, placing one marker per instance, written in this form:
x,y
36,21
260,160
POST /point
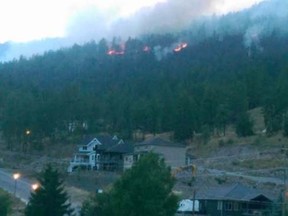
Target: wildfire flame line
x,y
115,52
180,46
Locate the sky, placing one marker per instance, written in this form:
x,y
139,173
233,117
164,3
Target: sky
x,y
82,20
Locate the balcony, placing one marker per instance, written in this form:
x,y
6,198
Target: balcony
x,y
80,161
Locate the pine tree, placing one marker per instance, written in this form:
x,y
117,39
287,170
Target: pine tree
x,y
5,203
244,125
49,199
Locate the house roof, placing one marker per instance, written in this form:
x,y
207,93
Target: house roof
x,y
157,141
105,141
121,148
232,192
109,143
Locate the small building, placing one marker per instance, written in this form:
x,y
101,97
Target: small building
x,y
174,154
233,200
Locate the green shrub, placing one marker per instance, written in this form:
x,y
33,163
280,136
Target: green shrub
x,y
5,203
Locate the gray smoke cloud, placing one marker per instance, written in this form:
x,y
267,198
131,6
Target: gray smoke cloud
x,y
171,16
267,18
264,19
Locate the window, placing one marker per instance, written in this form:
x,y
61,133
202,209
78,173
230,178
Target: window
x,y
84,147
219,205
228,206
98,157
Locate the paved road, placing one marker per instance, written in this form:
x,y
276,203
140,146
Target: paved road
x,y
23,186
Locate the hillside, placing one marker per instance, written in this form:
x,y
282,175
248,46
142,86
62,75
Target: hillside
x,y
220,87
257,161
84,89
200,79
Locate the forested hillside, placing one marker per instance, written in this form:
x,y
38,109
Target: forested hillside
x,y
156,83
196,81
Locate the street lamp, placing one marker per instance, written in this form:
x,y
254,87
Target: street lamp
x,y
27,139
16,176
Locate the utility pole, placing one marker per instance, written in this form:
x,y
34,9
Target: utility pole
x,y
285,151
284,195
194,170
194,194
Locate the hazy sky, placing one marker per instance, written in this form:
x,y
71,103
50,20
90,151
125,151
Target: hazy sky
x,y
27,20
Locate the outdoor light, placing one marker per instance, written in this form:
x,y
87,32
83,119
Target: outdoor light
x,y
35,186
16,176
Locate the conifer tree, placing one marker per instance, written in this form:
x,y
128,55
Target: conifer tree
x,y
49,199
145,189
5,203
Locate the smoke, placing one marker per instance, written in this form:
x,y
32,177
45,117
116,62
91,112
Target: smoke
x,y
161,52
94,24
256,23
170,16
266,19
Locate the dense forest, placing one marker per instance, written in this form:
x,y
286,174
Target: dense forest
x,y
154,83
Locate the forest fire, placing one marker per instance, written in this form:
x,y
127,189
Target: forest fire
x,y
146,49
180,46
115,52
120,50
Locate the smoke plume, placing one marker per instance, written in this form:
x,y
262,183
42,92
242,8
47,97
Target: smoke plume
x,y
170,16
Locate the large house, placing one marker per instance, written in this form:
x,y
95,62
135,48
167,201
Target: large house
x,y
174,154
233,200
110,153
102,152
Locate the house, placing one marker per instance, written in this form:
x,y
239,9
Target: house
x,y
128,160
233,200
101,152
112,157
174,154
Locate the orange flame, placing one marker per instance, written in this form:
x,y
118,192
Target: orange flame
x,y
180,46
115,52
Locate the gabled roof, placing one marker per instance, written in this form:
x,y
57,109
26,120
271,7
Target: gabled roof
x,y
233,192
87,140
104,141
157,141
107,141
